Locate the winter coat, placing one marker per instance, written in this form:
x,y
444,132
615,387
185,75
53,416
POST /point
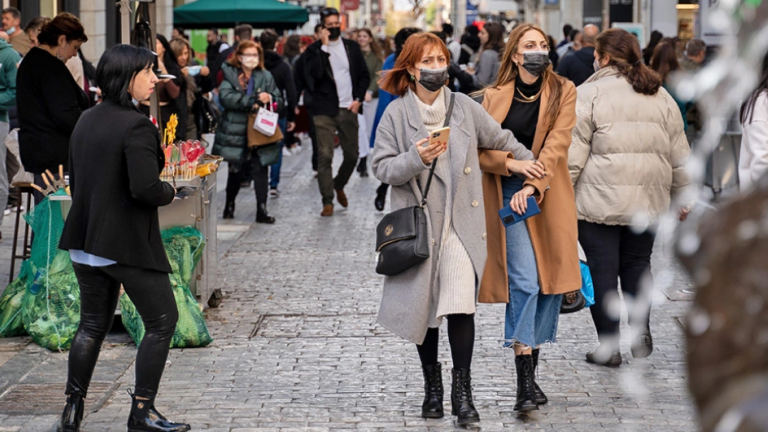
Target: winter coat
x,y
753,157
628,152
374,65
50,103
487,69
231,136
8,59
554,233
406,302
578,66
281,72
314,76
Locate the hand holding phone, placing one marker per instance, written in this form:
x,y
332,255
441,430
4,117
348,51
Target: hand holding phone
x,y
430,148
509,217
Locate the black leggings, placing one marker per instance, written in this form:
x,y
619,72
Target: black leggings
x,y
461,336
252,169
151,293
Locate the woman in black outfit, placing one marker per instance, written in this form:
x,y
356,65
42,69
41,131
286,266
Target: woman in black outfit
x,y
172,92
49,100
113,235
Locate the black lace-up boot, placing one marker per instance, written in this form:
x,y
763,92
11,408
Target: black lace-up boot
x,y
541,398
461,398
433,392
526,391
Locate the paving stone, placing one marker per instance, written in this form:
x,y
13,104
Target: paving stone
x,y
297,347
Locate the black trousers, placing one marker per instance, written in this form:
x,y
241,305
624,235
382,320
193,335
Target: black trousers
x,y
240,173
615,252
151,293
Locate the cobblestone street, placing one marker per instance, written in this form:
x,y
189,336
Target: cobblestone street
x,y
297,347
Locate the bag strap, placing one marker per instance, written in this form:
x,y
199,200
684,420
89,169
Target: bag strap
x,y
434,162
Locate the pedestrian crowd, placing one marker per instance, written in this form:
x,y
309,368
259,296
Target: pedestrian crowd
x,y
586,134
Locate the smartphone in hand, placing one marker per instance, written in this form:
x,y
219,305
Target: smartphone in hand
x,y
509,217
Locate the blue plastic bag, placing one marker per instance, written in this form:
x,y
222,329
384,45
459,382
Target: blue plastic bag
x,y
587,288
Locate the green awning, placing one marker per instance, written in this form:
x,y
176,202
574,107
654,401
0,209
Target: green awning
x,y
213,13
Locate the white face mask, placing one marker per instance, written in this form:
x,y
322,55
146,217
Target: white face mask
x,y
11,31
251,62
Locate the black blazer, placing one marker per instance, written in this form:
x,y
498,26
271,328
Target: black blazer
x,y
314,76
114,175
49,102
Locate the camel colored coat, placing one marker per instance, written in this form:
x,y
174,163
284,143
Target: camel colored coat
x,y
554,233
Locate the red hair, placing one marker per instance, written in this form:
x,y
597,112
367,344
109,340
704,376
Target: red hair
x,y
398,80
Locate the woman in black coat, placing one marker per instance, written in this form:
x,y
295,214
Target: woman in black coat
x,y
113,234
49,100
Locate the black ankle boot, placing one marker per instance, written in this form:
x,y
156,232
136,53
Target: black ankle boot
x,y
541,398
229,210
73,413
262,216
381,197
362,167
145,418
526,392
461,398
433,392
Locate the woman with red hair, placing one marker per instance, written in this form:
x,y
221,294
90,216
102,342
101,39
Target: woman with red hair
x,y
446,284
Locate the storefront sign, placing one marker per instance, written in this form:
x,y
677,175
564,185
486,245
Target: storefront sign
x,y
621,11
593,12
350,5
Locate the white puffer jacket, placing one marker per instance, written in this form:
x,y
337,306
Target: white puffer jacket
x,y
753,157
628,151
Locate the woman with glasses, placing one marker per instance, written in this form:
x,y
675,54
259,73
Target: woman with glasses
x,y
246,87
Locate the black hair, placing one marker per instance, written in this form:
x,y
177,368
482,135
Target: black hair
x,y
401,36
215,31
88,70
567,29
268,39
443,37
574,33
318,27
748,109
117,67
172,63
448,29
326,12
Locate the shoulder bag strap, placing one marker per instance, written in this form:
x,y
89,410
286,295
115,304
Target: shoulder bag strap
x,y
434,162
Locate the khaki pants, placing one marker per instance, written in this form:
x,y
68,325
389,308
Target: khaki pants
x,y
345,123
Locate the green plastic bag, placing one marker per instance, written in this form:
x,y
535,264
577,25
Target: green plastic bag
x,y
51,305
10,309
184,246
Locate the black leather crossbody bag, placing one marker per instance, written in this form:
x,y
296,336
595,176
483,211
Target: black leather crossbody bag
x,y
401,237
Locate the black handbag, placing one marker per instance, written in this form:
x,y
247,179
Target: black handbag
x,y
401,237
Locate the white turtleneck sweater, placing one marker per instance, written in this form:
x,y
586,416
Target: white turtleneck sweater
x,y
455,287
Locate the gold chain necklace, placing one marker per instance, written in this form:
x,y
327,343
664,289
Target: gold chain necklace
x,y
528,99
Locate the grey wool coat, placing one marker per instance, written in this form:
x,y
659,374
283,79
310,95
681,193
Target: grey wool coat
x,y
407,301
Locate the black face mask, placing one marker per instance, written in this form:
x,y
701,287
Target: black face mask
x,y
433,79
536,62
335,33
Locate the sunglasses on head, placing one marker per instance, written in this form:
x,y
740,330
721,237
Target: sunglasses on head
x,y
328,12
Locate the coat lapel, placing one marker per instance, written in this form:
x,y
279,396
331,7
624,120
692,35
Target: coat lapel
x,y
502,100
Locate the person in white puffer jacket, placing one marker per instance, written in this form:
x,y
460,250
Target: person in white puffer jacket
x,y
627,164
753,156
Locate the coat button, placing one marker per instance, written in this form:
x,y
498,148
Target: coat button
x,y
467,170
475,204
433,242
485,236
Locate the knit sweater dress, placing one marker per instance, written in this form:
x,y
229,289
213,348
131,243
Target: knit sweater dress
x,y
453,292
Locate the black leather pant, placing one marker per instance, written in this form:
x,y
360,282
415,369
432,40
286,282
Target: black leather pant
x,y
151,293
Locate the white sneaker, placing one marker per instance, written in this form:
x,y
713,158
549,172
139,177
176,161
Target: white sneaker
x,y
7,212
274,192
287,152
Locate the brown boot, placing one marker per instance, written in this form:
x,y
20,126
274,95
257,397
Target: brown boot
x,y
327,210
342,198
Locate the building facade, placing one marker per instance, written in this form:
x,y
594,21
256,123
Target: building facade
x,y
101,19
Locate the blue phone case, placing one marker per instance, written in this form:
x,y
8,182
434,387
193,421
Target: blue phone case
x,y
508,217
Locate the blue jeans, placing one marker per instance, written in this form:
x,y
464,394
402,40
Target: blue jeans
x,y
531,317
274,170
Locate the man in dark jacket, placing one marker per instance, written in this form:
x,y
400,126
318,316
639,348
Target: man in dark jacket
x,y
215,47
333,75
281,72
242,32
579,65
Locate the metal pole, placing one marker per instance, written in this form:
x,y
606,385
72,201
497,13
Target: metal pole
x,y
154,102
